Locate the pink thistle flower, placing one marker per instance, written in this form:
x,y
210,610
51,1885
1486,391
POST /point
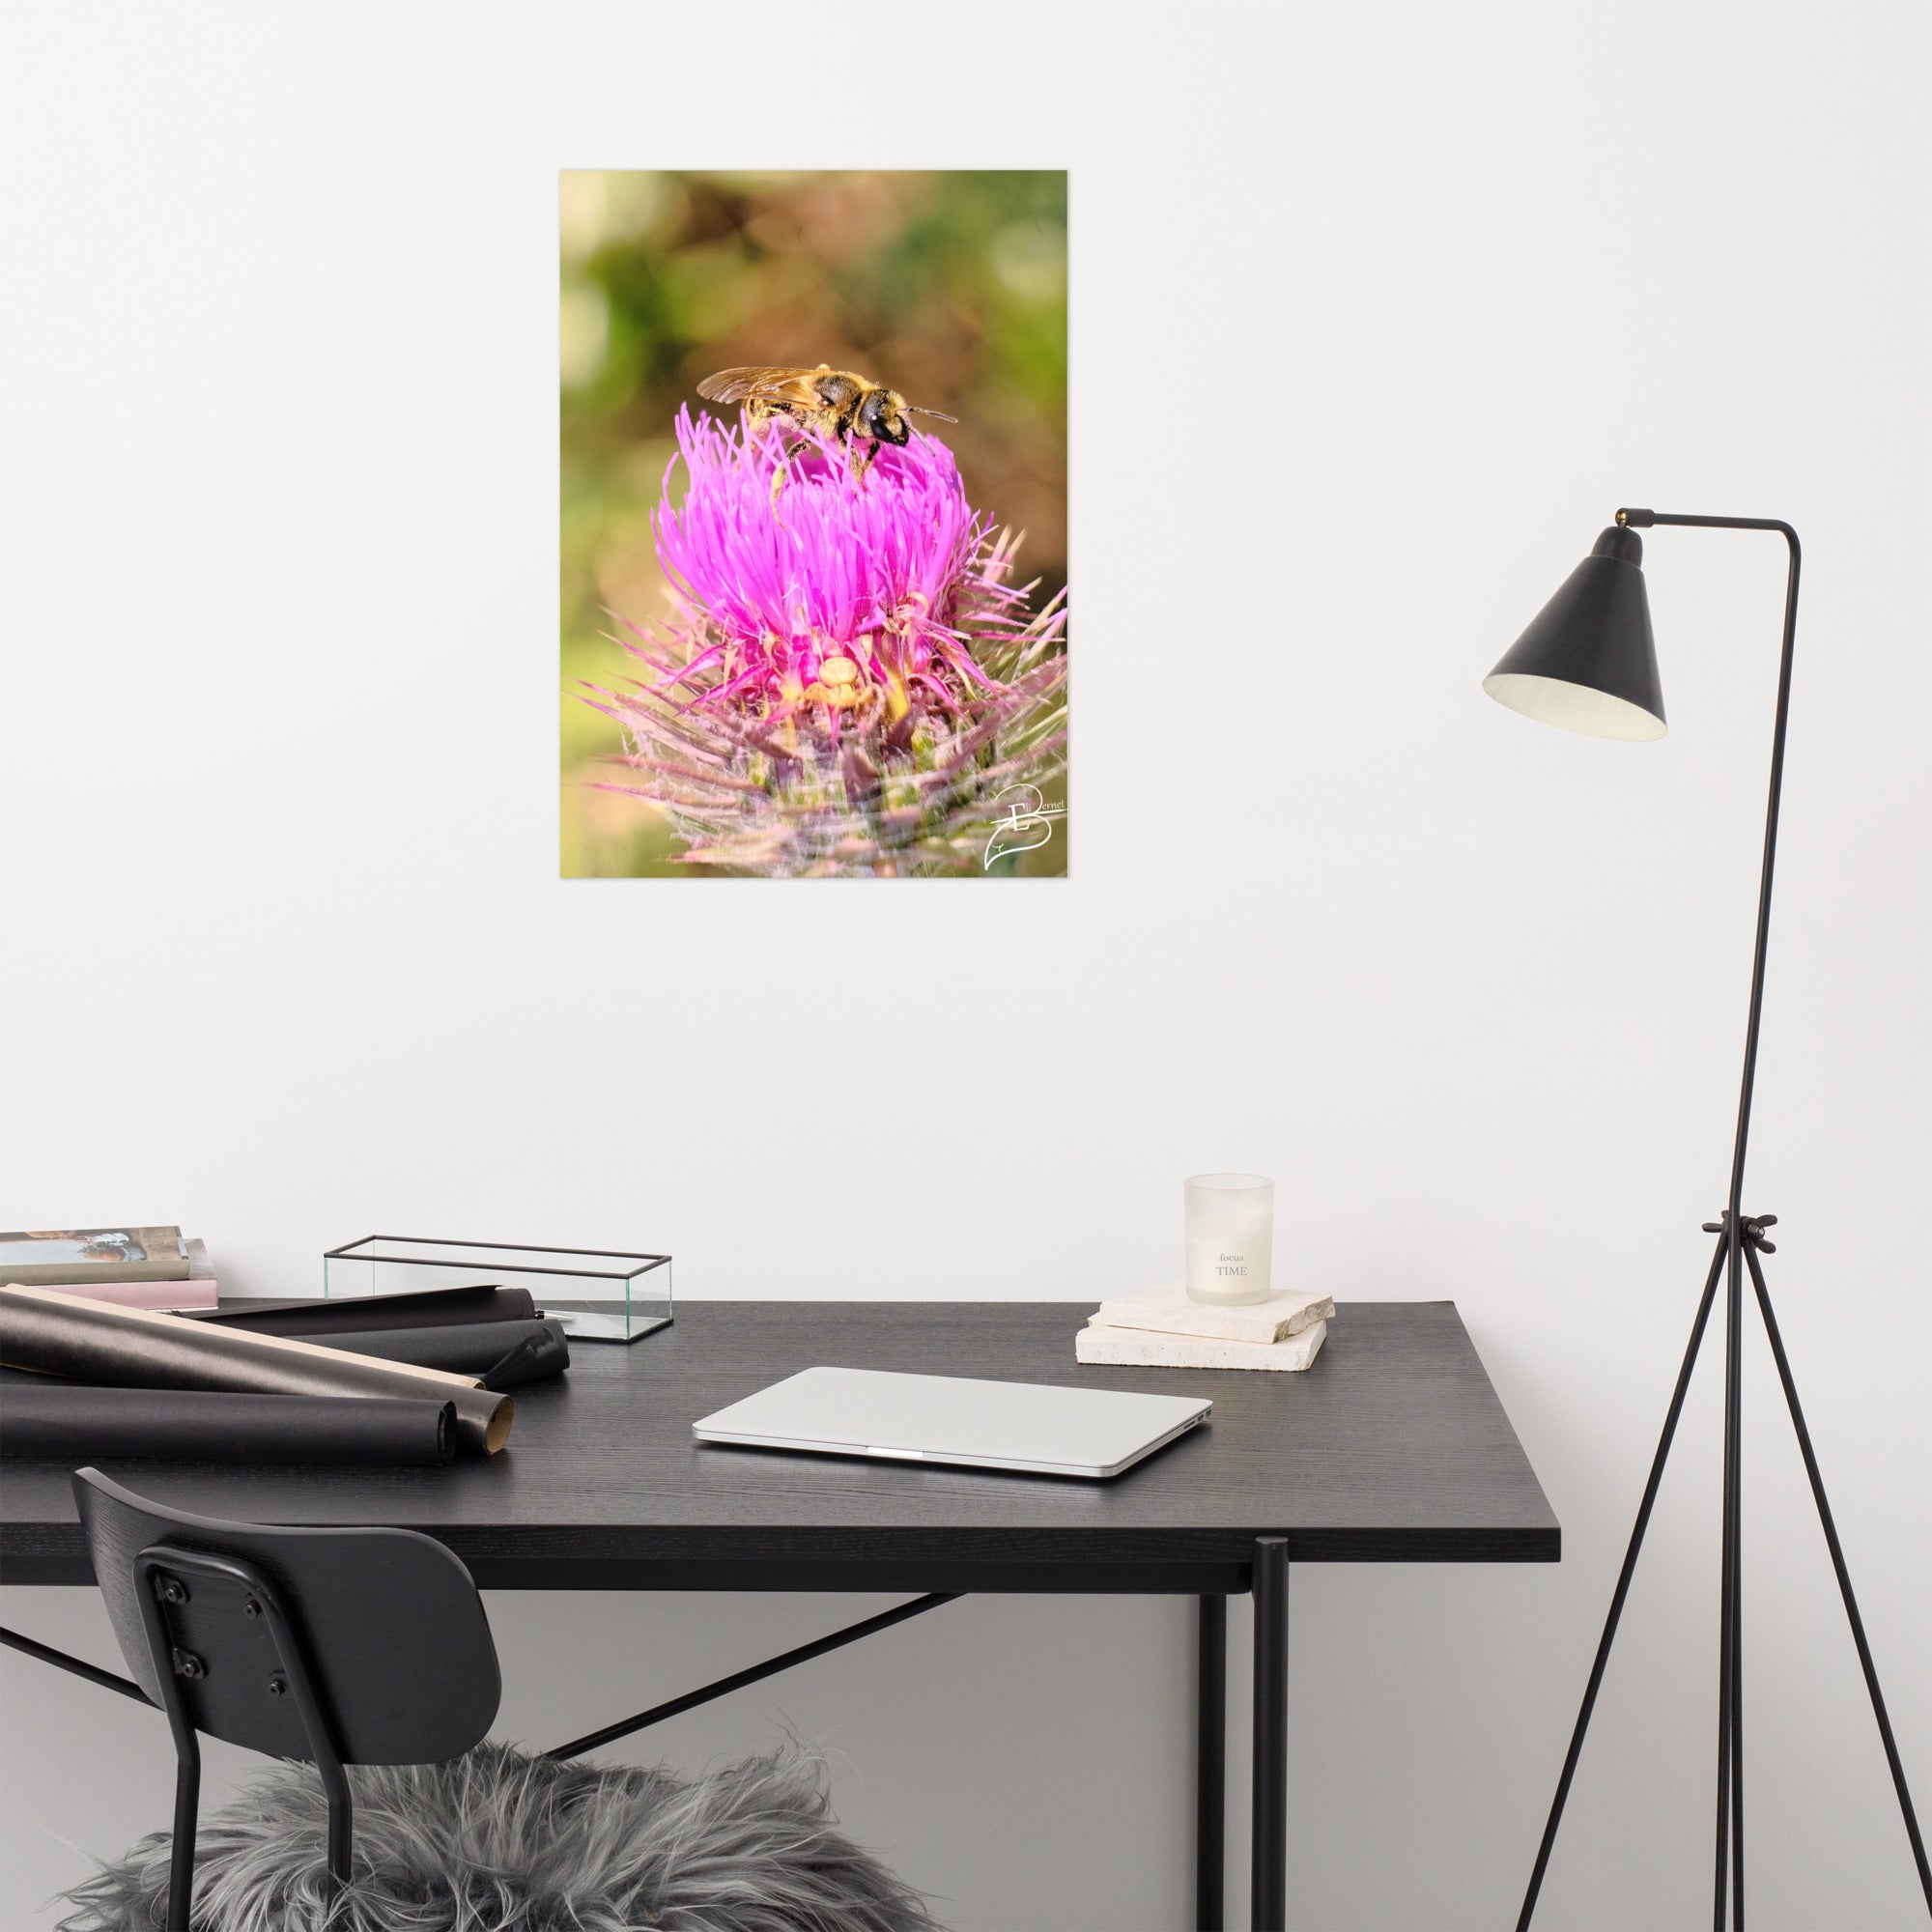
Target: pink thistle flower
x,y
830,567
848,678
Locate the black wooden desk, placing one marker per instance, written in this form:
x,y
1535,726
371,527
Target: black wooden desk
x,y
1391,1448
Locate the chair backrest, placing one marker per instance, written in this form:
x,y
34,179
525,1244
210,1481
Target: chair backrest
x,y
390,1629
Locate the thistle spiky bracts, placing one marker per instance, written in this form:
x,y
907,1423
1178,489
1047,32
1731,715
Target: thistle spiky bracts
x,y
849,679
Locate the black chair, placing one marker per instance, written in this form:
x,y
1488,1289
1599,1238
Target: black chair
x,y
370,1647
330,1646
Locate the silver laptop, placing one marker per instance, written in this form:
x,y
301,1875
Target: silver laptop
x,y
1045,1432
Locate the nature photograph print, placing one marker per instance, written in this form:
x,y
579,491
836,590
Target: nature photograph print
x,y
813,456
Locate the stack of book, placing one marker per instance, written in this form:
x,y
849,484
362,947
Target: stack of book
x,y
1162,1329
132,1267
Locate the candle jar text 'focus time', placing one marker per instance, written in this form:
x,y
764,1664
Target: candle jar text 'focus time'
x,y
1230,1236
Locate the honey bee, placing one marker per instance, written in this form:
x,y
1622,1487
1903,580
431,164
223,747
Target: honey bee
x,y
835,402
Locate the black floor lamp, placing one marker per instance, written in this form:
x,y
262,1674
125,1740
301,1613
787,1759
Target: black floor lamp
x,y
1587,663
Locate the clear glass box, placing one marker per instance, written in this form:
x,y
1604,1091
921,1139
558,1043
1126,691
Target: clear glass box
x,y
597,1296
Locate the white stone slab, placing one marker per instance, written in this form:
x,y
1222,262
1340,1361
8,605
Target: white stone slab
x,y
1168,1310
1142,1347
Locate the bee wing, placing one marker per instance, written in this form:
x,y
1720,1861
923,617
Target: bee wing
x,y
760,383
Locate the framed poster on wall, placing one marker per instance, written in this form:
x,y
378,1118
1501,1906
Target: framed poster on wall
x,y
813,525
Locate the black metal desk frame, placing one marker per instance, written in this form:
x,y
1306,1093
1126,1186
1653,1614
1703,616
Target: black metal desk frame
x,y
1271,1730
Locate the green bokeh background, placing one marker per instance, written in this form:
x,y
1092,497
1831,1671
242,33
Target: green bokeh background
x,y
950,287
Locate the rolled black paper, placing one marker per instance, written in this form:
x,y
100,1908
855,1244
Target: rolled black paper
x,y
363,1314
466,1348
72,1424
137,1348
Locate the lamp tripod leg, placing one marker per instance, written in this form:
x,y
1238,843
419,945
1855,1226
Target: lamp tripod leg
x,y
1730,1859
1622,1591
1737,1459
1844,1575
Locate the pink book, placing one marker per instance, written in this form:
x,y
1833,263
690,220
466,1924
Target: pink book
x,y
161,1294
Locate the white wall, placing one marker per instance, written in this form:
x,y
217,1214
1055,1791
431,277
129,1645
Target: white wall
x,y
1379,312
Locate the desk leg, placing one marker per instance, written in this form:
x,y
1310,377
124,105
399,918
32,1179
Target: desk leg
x,y
1211,1766
1269,1894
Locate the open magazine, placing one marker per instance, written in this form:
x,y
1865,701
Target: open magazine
x,y
56,1256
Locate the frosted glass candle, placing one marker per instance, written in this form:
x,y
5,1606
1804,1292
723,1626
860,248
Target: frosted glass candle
x,y
1230,1236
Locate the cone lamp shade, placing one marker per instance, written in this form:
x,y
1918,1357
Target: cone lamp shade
x,y
1588,662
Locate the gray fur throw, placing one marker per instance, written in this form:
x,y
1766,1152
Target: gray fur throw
x,y
496,1841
